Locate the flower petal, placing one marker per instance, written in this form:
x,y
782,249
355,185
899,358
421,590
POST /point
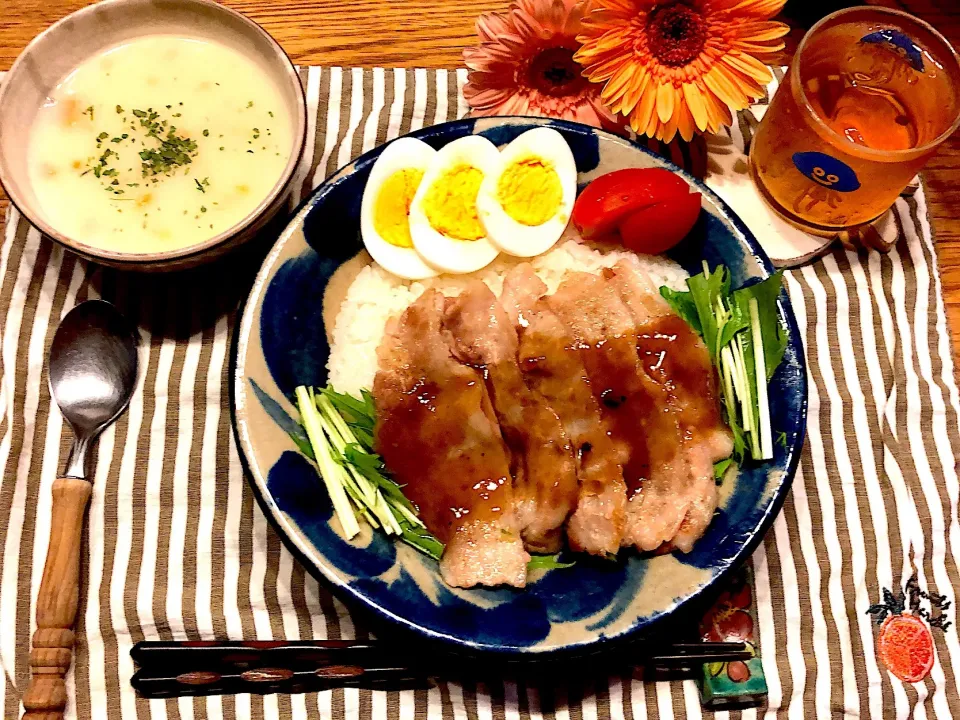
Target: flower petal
x,y
492,25
479,98
697,104
750,66
638,86
752,48
666,101
653,123
644,110
763,30
720,84
750,87
685,122
604,71
719,112
755,8
666,131
618,83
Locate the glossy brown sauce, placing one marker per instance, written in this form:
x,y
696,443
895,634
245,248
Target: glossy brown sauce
x,y
443,446
672,354
636,408
554,367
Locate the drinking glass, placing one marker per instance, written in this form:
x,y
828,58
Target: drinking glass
x,y
869,97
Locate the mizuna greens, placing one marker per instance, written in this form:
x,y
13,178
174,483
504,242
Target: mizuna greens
x,y
340,429
734,325
340,432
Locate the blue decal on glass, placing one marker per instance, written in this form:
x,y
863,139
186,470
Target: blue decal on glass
x,y
298,491
898,43
827,171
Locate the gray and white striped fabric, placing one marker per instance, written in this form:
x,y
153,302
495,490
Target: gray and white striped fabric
x,y
177,547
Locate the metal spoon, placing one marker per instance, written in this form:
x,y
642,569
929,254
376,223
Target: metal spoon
x,y
93,372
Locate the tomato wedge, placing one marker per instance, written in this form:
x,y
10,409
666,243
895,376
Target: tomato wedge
x,y
657,228
609,199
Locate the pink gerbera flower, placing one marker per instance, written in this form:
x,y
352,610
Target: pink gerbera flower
x,y
524,65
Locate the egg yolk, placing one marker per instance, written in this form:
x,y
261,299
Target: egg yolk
x,y
529,191
451,203
391,212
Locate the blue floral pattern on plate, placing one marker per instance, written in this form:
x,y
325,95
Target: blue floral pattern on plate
x,y
282,343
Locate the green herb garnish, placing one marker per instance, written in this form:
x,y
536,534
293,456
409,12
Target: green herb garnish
x,y
174,150
720,469
89,111
746,340
340,433
548,562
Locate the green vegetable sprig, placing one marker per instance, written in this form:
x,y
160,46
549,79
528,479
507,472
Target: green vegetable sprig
x,y
733,325
340,428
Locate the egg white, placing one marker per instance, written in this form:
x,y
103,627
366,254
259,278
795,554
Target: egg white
x,y
402,154
507,234
446,253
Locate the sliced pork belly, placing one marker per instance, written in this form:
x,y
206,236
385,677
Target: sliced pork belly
x,y
543,467
640,411
438,435
552,366
672,354
674,351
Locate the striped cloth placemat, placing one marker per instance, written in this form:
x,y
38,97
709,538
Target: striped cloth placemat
x,y
178,548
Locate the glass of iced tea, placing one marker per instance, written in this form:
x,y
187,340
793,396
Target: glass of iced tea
x,y
869,97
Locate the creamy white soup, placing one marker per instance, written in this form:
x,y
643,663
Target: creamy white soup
x,y
158,144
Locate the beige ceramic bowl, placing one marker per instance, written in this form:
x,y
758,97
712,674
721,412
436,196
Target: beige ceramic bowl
x,y
95,28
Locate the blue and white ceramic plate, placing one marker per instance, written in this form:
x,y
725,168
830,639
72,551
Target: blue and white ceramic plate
x,y
283,342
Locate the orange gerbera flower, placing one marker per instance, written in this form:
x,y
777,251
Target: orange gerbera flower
x,y
679,65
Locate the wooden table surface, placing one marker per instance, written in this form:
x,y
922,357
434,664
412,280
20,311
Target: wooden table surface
x,y
432,33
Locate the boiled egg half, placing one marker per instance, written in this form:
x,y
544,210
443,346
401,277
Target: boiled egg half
x,y
525,204
394,181
444,221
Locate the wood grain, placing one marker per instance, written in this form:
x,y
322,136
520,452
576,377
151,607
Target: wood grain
x,y
57,599
420,33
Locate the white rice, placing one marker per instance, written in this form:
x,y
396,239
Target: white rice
x,y
376,295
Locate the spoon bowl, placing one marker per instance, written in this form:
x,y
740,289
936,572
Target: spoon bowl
x,y
93,366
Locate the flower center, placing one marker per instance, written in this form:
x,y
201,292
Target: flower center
x,y
676,33
554,71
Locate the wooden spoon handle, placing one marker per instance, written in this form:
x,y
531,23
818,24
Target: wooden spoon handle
x,y
46,695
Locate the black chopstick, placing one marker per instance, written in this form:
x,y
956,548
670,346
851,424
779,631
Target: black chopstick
x,y
171,669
